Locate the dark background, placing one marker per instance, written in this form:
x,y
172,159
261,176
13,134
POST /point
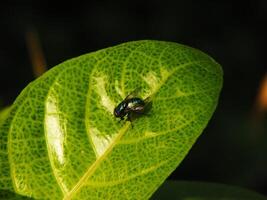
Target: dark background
x,y
233,147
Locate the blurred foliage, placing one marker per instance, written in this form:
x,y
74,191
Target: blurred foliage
x,y
186,190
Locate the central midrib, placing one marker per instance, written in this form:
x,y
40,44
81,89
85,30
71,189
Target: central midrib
x,y
93,167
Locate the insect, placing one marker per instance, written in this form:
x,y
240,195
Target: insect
x,y
132,106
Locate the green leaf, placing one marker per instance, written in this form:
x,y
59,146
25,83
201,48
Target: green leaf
x,y
189,190
7,195
5,182
63,141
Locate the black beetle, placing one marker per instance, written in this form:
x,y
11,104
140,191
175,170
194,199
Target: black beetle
x,y
131,106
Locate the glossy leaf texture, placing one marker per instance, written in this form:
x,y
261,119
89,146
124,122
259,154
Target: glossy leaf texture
x,y
62,141
185,190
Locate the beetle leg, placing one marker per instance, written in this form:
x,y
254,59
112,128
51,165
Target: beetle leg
x,y
129,117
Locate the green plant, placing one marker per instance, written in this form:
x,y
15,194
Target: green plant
x,y
60,140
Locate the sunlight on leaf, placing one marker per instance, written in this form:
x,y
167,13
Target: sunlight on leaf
x,y
60,140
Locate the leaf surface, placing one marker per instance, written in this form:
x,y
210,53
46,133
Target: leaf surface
x,y
62,141
7,195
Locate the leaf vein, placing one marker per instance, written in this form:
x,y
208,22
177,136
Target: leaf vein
x,y
120,181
